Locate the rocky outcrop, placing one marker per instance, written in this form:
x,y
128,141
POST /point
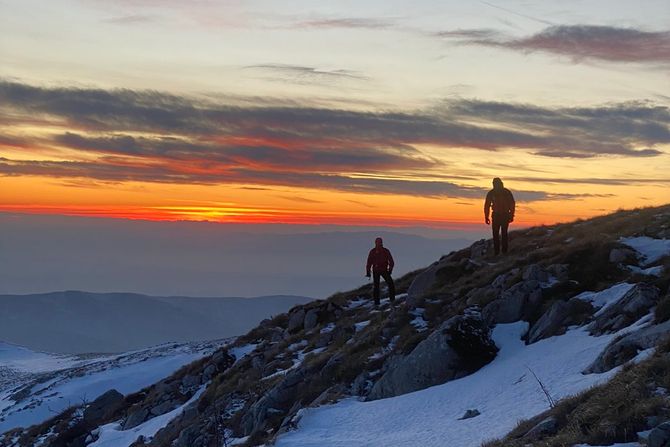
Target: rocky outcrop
x,y
460,346
659,436
621,255
546,427
636,303
625,348
514,304
274,402
558,317
309,316
104,406
170,393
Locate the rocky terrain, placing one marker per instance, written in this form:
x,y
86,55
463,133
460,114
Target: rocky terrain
x,y
575,317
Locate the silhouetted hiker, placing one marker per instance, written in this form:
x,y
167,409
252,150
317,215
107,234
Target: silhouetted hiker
x,y
503,213
381,262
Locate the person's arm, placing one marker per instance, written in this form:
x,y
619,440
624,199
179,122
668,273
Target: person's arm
x,y
487,207
512,207
369,264
390,261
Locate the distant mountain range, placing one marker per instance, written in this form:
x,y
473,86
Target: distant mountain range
x,y
41,254
78,322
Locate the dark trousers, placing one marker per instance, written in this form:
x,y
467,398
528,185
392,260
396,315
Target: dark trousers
x,y
500,224
389,283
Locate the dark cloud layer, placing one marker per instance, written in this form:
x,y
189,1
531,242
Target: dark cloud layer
x,y
580,42
153,136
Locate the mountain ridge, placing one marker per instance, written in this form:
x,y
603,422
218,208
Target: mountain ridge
x,y
556,280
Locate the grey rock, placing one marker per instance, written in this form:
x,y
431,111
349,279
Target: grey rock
x,y
558,317
164,407
104,406
625,348
296,320
361,385
559,271
275,401
620,255
636,303
209,371
135,417
311,319
469,414
190,381
460,346
422,283
547,427
480,248
659,436
505,280
187,437
514,304
535,273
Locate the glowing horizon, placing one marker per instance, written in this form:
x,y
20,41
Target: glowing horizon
x,y
350,116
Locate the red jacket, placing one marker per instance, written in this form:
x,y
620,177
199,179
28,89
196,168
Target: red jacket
x,y
380,260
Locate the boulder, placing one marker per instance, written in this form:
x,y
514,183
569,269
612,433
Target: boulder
x,y
636,303
104,406
546,427
516,303
535,273
296,320
277,400
135,417
460,346
480,248
209,371
190,381
422,283
469,414
559,271
558,317
311,319
659,436
621,255
625,348
164,407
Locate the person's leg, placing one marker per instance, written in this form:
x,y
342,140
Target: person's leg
x,y
495,226
390,285
375,290
504,226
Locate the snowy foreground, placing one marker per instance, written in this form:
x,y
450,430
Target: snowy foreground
x,y
36,386
504,391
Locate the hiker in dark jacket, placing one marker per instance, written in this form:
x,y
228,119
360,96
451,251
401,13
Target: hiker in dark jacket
x,y
503,204
381,263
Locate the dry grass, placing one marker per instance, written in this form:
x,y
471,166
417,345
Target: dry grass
x,y
613,412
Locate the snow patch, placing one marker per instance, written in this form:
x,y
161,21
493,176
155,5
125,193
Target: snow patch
x,y
502,391
649,271
650,249
239,352
605,298
419,323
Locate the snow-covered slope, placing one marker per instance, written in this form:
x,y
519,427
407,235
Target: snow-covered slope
x,y
503,392
35,386
495,339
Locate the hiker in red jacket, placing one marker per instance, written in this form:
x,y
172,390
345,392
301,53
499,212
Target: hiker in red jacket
x,y
503,213
381,262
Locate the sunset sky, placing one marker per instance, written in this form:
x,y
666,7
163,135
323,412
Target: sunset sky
x,y
391,113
